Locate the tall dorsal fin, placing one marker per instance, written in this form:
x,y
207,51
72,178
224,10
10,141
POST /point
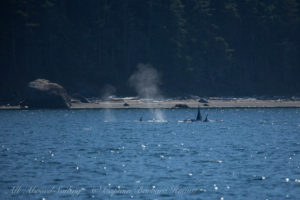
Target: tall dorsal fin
x,y
199,117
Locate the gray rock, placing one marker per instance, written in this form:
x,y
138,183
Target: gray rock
x,y
181,106
80,98
203,101
42,93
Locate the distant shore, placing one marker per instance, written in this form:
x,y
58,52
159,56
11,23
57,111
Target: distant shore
x,y
185,103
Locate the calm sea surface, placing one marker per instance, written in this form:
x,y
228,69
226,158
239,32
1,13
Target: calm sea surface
x,y
109,154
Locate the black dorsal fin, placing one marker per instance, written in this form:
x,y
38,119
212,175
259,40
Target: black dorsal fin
x,y
199,117
206,118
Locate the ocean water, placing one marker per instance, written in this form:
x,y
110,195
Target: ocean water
x,y
110,154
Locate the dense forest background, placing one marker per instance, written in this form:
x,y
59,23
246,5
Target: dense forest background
x,y
200,47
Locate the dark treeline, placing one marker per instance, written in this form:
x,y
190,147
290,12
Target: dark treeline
x,y
200,47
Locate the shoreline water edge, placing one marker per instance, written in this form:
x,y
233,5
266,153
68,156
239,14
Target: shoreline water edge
x,y
128,103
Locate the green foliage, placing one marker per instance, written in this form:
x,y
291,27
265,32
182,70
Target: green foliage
x,y
203,47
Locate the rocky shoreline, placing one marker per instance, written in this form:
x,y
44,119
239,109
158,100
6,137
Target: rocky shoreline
x,y
44,94
128,103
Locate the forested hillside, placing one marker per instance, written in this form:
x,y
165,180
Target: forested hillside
x,y
199,47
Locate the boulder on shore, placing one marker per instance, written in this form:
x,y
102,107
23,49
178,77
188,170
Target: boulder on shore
x,y
202,100
80,98
181,106
42,93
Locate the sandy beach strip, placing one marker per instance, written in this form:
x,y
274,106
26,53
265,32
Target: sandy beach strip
x,y
171,103
190,103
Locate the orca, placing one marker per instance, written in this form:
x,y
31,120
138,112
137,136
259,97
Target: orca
x,y
141,118
198,118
